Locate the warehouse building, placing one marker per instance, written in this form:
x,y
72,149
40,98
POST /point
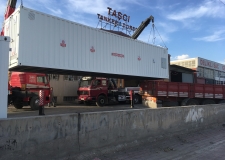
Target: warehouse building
x,y
207,72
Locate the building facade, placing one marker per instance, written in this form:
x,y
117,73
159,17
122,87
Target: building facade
x,y
64,87
208,71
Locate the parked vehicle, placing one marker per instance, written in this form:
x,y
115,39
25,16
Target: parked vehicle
x,y
24,89
104,91
178,93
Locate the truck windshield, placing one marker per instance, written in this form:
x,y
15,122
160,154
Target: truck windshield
x,y
85,83
41,79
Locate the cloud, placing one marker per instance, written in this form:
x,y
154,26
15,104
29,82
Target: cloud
x,y
180,57
216,36
206,9
222,62
56,12
98,6
167,27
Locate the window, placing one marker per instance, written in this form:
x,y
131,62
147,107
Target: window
x,y
41,79
71,78
85,83
104,82
53,77
69,98
97,82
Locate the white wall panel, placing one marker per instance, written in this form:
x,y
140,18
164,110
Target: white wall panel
x,y
37,43
4,49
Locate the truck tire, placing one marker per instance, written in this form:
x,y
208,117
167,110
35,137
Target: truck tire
x,y
34,103
184,102
191,102
222,101
101,101
18,103
208,101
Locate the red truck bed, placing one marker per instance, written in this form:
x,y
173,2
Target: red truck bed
x,y
177,89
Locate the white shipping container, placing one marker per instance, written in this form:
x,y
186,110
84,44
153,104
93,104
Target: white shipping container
x,y
47,43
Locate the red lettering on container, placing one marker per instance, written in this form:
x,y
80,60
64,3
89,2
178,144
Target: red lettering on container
x,y
63,44
139,58
118,55
92,49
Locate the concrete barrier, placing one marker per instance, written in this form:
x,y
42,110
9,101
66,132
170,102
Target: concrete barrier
x,y
47,137
66,136
104,129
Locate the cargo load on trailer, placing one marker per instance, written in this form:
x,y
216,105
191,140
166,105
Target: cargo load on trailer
x,y
71,48
103,91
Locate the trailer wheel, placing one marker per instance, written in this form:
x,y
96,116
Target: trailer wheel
x,y
191,102
208,101
101,101
222,101
18,103
184,102
34,103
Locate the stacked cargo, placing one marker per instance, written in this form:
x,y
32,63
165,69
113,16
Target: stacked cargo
x,y
207,72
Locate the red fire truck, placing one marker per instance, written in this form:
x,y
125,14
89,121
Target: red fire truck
x,y
104,91
24,89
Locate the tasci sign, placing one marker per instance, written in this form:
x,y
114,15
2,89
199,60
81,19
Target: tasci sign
x,y
210,64
118,17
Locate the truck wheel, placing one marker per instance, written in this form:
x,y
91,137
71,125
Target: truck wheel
x,y
222,101
136,99
18,103
208,101
191,102
184,102
34,103
101,101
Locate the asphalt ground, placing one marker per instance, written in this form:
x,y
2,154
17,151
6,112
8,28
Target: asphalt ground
x,y
65,109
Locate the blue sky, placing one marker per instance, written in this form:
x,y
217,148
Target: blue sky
x,y
188,28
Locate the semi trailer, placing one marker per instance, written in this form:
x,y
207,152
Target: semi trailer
x,y
168,94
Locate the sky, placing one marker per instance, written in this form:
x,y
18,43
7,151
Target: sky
x,y
188,28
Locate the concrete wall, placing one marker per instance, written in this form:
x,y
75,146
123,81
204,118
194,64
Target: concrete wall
x,y
58,136
52,137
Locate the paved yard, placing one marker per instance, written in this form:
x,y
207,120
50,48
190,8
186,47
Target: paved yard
x,y
65,109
